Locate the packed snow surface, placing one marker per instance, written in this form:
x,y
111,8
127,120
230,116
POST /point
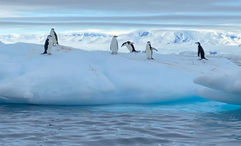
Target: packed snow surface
x,y
76,77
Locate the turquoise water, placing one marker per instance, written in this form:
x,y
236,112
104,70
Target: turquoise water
x,y
197,123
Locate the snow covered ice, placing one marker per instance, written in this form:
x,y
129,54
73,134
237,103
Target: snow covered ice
x,y
77,77
224,87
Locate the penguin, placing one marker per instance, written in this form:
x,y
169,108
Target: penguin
x,y
130,46
149,50
48,45
201,52
114,45
54,37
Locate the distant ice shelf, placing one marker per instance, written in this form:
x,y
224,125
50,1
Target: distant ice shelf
x,y
167,42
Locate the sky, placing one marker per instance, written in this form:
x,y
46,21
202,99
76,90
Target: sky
x,y
31,16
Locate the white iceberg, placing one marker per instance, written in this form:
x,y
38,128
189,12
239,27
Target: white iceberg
x,y
77,77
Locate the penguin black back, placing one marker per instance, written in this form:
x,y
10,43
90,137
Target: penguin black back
x,y
56,37
131,44
124,44
201,52
46,44
134,50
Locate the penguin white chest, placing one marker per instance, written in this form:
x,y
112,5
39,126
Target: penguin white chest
x,y
129,48
114,46
51,43
53,37
148,52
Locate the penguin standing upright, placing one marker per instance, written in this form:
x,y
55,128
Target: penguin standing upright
x,y
48,45
149,50
114,45
201,52
130,46
54,37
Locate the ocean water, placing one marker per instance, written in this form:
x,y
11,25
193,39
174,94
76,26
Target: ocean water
x,y
196,123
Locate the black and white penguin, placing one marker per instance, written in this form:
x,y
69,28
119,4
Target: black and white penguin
x,y
54,37
149,50
130,46
201,52
48,45
114,45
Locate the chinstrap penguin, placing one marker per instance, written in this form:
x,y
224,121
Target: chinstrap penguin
x,y
130,46
149,50
54,37
48,45
114,45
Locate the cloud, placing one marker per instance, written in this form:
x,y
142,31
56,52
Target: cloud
x,y
141,6
128,18
125,13
110,25
156,20
6,12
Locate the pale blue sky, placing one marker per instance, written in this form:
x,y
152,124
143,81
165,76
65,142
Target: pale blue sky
x,y
28,16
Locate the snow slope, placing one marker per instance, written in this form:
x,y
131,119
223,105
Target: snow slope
x,y
77,77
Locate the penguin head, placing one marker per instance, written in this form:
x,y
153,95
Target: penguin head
x,y
198,43
124,44
115,36
148,42
52,28
128,42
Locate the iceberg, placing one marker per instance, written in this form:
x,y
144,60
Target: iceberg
x,y
76,77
